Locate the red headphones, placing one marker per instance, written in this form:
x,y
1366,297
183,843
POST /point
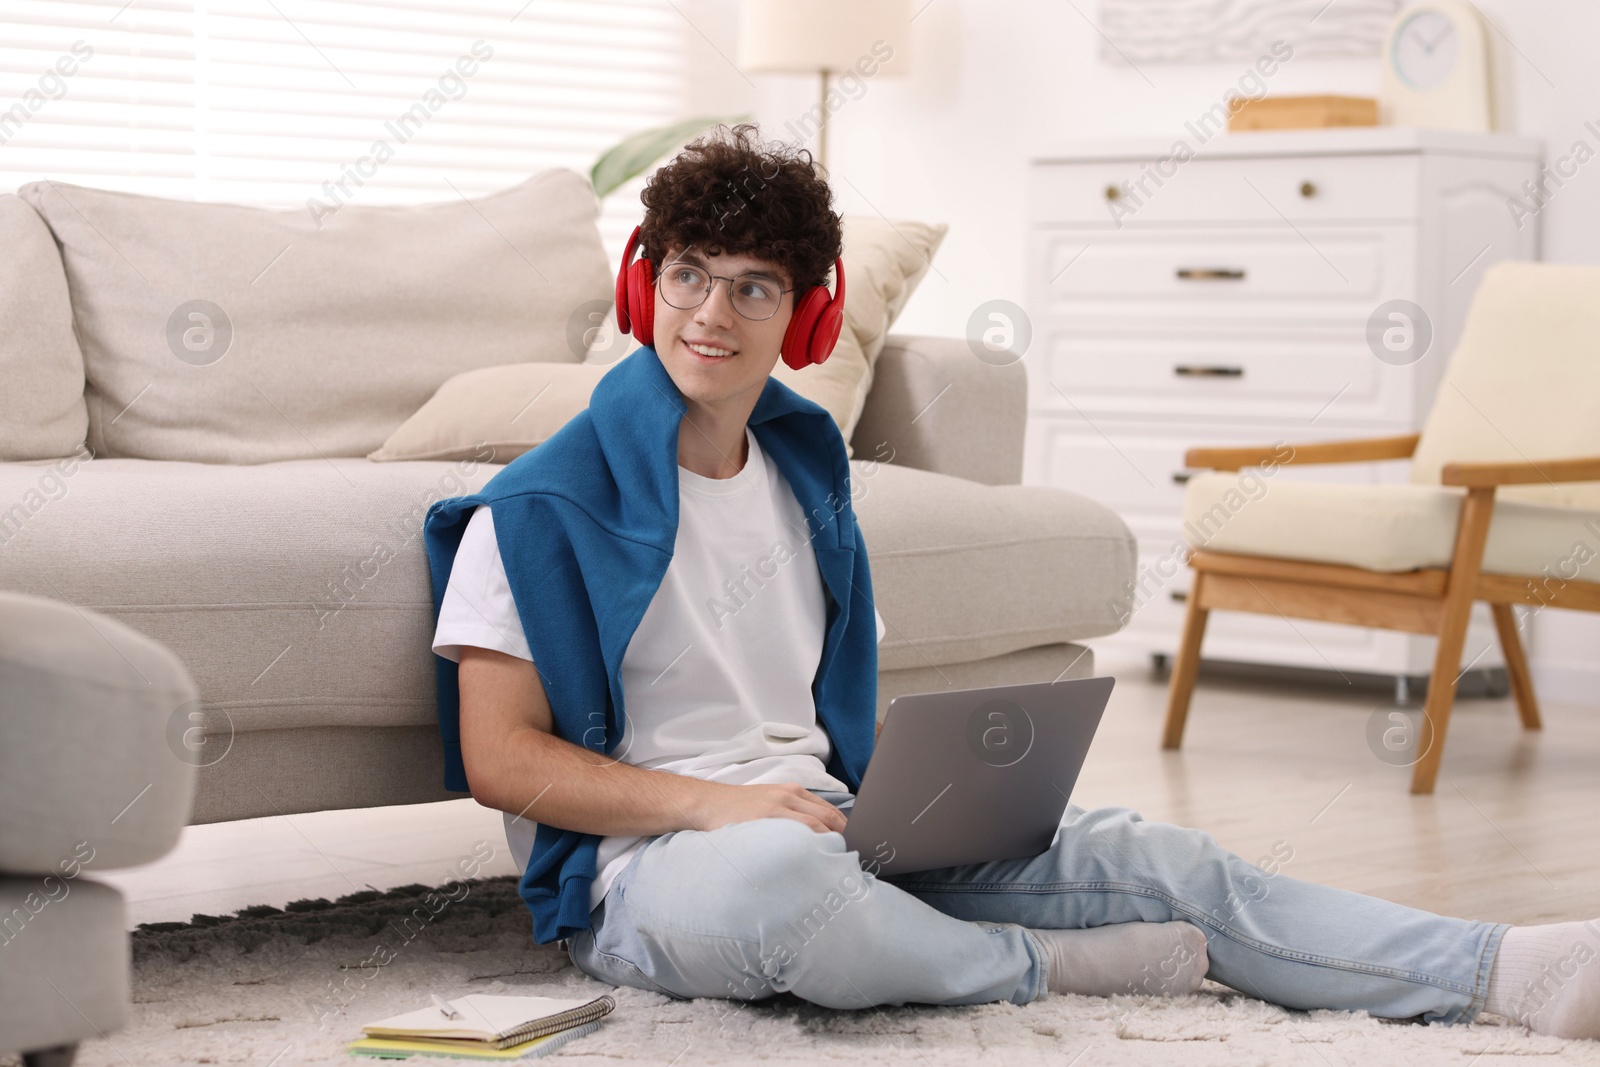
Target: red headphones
x,y
812,331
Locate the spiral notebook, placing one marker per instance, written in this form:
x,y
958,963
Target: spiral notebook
x,y
491,1022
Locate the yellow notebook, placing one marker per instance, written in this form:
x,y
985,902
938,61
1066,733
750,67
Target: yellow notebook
x,y
401,1049
493,1022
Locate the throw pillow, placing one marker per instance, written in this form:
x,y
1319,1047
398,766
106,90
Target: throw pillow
x,y
493,414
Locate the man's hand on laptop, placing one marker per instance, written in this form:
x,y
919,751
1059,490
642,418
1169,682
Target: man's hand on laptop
x,y
723,804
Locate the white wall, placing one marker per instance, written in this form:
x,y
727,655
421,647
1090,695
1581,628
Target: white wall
x,y
994,81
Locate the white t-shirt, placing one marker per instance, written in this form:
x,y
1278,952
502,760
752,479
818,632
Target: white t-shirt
x,y
717,677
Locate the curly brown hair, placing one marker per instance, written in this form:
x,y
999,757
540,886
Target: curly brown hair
x,y
727,192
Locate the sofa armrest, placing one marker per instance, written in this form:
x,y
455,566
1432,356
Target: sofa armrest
x,y
935,406
94,716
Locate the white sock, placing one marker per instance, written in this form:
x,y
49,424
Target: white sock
x,y
1161,959
1548,979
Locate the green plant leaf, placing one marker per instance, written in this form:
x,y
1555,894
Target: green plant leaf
x,y
635,155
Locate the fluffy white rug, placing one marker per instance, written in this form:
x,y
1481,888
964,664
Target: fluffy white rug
x,y
252,989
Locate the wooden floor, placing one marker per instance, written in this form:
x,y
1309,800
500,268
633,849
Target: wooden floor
x,y
1510,835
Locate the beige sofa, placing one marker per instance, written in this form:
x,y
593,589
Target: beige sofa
x,y
229,511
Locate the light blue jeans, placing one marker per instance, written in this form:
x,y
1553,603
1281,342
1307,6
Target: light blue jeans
x,y
756,908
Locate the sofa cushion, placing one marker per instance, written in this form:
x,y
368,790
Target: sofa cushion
x,y
42,412
1383,527
962,571
297,593
227,334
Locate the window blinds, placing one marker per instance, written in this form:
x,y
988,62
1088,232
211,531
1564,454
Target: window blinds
x,y
300,102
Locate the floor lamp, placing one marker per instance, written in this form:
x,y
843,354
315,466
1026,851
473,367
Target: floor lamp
x,y
826,37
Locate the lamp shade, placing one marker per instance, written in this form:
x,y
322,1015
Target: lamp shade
x,y
807,36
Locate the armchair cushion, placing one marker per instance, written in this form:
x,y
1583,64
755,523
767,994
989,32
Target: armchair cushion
x,y
1524,381
1383,527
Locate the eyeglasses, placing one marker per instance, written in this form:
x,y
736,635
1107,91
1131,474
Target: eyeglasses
x,y
753,296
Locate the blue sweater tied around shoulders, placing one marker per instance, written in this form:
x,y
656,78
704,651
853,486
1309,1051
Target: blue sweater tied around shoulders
x,y
586,524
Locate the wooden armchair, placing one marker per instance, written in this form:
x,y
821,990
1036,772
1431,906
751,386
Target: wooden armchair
x,y
1482,519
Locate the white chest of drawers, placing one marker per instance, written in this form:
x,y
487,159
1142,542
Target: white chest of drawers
x,y
1225,299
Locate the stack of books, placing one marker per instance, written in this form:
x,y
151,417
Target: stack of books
x,y
480,1026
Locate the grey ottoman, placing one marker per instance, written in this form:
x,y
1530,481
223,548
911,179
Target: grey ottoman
x,y
93,776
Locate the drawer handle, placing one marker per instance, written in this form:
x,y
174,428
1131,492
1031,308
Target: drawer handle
x,y
1308,189
1189,370
1182,477
1210,274
1179,595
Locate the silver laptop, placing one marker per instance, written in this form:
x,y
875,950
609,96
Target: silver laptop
x,y
972,775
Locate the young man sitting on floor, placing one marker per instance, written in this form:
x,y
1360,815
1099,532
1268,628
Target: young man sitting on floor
x,y
692,846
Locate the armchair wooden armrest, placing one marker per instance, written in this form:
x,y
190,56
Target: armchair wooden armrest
x,y
1485,475
1360,451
